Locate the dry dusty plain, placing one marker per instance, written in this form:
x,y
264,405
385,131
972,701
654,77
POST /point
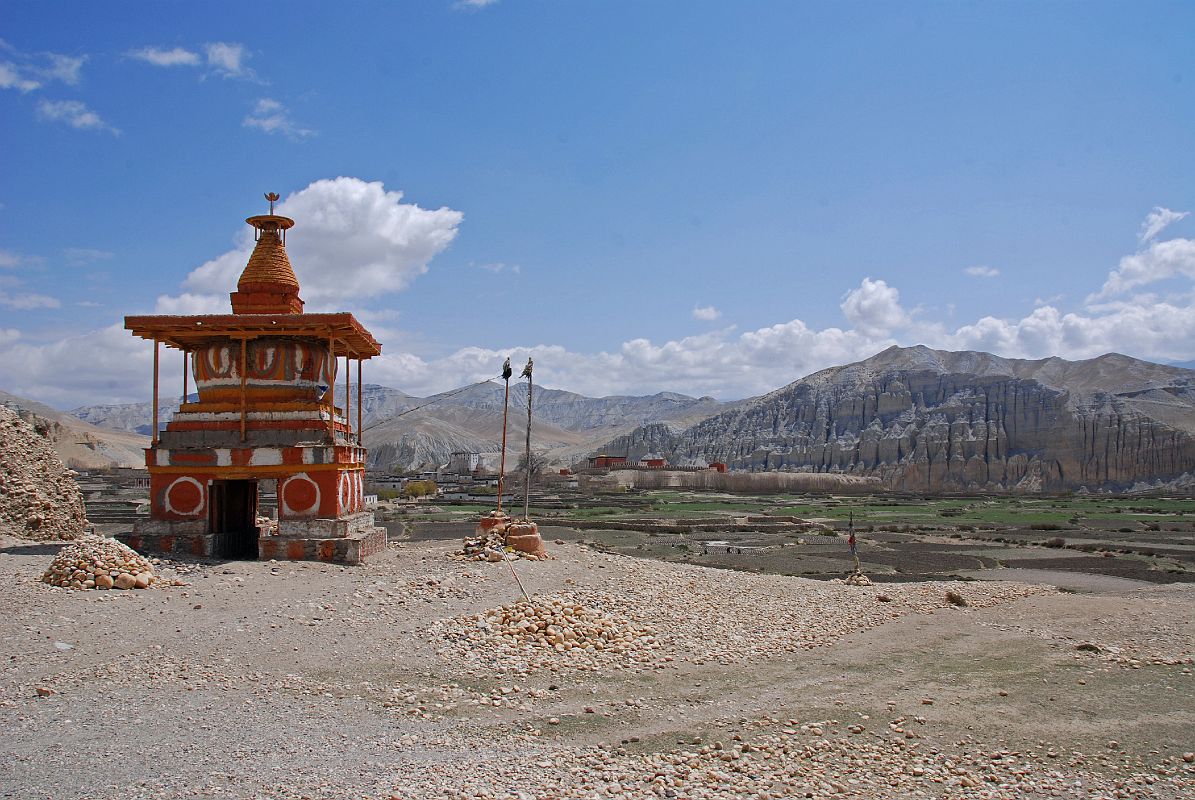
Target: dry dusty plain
x,y
298,680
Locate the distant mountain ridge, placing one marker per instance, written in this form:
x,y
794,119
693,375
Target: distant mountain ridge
x,y
566,425
919,419
934,420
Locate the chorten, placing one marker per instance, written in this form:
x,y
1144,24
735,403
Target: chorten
x,y
266,417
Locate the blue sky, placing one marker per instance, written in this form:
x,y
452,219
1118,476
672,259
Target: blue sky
x,y
702,197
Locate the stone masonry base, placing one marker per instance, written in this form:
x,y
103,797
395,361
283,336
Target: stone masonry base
x,y
357,541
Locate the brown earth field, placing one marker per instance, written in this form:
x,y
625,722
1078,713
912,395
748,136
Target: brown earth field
x,y
1067,559
679,680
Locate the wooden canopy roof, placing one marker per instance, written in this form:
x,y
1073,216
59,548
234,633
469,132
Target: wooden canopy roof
x,y
191,332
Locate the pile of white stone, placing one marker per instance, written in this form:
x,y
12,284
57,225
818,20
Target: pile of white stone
x,y
546,632
98,562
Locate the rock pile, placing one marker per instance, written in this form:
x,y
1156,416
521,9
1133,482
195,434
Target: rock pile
x,y
857,579
97,562
779,758
39,498
553,632
490,547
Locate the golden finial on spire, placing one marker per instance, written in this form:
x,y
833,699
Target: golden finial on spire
x,y
272,197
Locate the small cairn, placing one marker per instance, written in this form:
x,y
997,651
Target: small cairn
x,y
523,536
99,562
857,579
496,535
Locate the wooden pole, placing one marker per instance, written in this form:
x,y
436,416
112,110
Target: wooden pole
x,y
244,375
502,469
347,399
332,383
527,488
154,441
360,430
186,376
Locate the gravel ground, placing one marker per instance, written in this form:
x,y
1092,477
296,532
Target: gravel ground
x,y
418,675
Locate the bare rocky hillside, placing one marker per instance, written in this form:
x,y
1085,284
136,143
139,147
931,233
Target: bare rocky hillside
x,y
931,420
39,498
79,443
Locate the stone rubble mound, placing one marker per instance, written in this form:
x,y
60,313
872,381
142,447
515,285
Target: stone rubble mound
x,y
856,579
548,632
39,498
490,547
98,562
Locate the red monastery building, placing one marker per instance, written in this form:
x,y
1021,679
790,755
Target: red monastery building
x,y
266,376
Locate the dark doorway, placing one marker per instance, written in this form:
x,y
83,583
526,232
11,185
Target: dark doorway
x,y
232,517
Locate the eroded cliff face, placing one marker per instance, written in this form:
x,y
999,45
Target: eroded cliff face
x,y
922,429
656,438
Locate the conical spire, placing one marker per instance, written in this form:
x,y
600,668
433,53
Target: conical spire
x,y
268,285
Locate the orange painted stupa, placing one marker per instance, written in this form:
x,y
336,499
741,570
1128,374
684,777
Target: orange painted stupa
x,y
266,417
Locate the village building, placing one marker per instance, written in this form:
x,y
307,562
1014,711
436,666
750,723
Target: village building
x,y
463,462
604,461
268,415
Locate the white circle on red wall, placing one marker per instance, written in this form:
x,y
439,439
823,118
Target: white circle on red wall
x,y
184,496
300,495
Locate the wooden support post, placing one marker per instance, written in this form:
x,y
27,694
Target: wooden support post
x,y
347,398
154,439
244,375
332,383
360,430
186,376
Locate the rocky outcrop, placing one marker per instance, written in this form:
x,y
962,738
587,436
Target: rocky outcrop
x,y
39,498
926,420
658,437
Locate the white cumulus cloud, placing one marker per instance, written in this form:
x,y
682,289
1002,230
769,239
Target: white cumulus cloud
x,y
75,114
376,240
67,69
874,308
706,313
228,59
27,72
162,57
270,116
982,272
104,366
27,301
352,239
1157,220
12,77
1158,261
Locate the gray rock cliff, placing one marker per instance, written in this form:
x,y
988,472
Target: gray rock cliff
x,y
929,420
